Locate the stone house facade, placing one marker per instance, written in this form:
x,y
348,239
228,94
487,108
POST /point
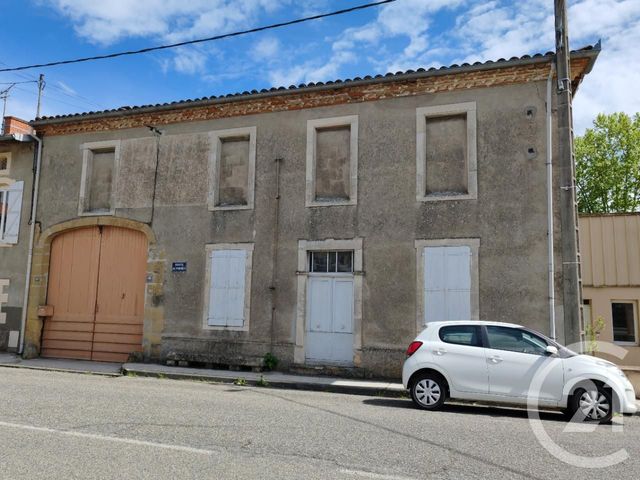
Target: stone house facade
x,y
17,156
325,224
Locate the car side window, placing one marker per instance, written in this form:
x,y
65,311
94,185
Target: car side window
x,y
515,340
461,335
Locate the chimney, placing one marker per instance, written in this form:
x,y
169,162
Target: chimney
x,y
14,125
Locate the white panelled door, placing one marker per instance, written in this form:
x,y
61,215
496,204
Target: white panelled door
x,y
227,290
447,283
330,304
330,320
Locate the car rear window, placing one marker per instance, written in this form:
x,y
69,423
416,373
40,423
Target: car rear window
x,y
461,335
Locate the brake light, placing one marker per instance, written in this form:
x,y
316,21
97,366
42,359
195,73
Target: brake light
x,y
413,348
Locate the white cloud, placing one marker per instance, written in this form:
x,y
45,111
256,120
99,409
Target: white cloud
x,y
189,60
402,35
66,88
266,48
108,21
311,71
409,21
501,30
612,86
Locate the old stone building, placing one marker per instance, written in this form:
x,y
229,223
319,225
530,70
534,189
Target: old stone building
x,y
17,148
325,223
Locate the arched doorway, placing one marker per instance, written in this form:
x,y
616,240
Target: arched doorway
x,y
96,288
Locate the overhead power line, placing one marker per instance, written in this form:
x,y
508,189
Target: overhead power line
x,y
202,40
49,97
18,83
67,93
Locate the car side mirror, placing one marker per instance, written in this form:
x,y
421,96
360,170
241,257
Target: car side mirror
x,y
551,350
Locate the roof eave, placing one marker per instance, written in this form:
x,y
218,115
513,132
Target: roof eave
x,y
592,55
16,137
282,91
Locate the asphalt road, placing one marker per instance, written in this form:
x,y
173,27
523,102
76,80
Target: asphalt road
x,y
70,426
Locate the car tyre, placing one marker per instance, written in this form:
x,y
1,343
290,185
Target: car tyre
x,y
429,391
593,404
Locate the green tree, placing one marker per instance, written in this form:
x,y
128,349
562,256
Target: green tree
x,y
608,165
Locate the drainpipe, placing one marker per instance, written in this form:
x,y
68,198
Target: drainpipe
x,y
549,164
274,255
32,232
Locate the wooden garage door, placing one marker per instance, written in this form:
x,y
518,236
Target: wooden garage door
x,y
96,288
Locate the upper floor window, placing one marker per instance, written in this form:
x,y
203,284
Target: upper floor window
x,y
99,163
232,169
5,163
10,208
332,161
446,161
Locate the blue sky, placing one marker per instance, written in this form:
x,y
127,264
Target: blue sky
x,y
402,35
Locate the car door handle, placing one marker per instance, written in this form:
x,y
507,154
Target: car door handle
x,y
439,351
494,359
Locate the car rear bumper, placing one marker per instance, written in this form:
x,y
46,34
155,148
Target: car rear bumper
x,y
408,369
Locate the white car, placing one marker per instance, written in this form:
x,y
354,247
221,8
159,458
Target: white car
x,y
505,363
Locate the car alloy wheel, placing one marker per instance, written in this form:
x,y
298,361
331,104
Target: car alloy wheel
x,y
428,392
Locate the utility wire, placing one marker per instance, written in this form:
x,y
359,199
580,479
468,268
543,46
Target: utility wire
x,y
55,99
18,83
202,40
73,95
26,76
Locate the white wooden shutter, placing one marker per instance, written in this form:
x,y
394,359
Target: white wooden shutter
x,y
14,207
447,283
227,288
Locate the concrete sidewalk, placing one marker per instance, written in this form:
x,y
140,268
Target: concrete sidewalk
x,y
61,365
273,379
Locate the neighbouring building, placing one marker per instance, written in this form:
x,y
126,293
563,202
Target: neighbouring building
x,y
17,155
610,255
324,223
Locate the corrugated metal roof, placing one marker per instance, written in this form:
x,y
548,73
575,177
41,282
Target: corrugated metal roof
x,y
588,51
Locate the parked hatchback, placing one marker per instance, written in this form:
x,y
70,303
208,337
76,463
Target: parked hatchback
x,y
505,363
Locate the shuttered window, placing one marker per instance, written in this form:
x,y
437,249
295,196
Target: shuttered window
x,y
10,209
447,283
227,288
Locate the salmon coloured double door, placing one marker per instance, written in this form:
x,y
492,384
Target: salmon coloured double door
x,y
96,287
